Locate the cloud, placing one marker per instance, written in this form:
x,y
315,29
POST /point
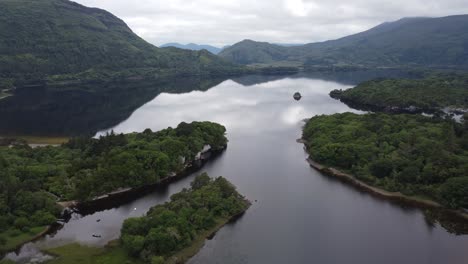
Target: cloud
x,y
221,23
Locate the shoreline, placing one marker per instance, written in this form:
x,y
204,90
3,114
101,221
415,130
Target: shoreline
x,y
393,196
187,253
76,253
435,111
119,197
114,199
376,191
34,237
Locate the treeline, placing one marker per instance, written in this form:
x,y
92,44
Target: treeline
x,y
33,179
431,94
169,228
413,154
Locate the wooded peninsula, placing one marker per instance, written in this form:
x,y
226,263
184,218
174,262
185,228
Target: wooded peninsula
x,y
432,94
169,233
411,154
33,180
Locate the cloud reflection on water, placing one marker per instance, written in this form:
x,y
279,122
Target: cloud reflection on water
x,y
241,108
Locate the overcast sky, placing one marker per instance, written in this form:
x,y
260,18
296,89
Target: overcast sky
x,y
223,22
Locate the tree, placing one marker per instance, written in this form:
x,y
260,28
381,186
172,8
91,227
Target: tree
x,y
134,226
21,223
200,181
227,188
381,168
159,241
454,192
184,129
409,174
157,260
133,244
43,218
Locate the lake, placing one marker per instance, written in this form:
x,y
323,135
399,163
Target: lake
x,y
298,215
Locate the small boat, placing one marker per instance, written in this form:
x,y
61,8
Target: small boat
x,y
99,220
97,236
297,96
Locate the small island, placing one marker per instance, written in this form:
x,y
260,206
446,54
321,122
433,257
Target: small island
x,y
297,96
35,181
434,94
406,157
169,233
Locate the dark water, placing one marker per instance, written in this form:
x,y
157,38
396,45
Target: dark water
x,y
300,215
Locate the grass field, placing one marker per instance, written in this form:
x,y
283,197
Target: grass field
x,y
15,238
41,140
76,253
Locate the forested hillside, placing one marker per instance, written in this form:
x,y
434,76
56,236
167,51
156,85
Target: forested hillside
x,y
193,46
56,40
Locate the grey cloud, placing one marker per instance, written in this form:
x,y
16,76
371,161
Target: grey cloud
x,y
219,22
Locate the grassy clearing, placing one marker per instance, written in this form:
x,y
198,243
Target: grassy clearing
x,y
14,238
76,253
44,140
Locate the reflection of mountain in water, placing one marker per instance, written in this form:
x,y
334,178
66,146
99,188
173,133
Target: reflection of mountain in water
x,y
346,77
83,110
86,110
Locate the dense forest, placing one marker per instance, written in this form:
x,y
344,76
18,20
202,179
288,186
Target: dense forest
x,y
169,228
33,179
413,154
430,94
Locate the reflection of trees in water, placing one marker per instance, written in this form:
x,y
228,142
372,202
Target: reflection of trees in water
x,y
448,220
86,109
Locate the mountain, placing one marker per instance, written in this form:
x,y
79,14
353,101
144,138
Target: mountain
x,y
193,46
249,51
287,44
434,42
56,40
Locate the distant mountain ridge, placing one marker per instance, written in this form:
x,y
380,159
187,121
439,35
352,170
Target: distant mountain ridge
x,y
193,46
56,40
420,41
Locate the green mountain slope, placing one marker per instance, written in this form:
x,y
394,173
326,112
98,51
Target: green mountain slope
x,y
435,42
249,51
193,46
44,38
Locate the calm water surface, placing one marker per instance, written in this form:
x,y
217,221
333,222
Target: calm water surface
x,y
299,216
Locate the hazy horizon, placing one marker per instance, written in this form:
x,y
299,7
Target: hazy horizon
x,y
221,23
